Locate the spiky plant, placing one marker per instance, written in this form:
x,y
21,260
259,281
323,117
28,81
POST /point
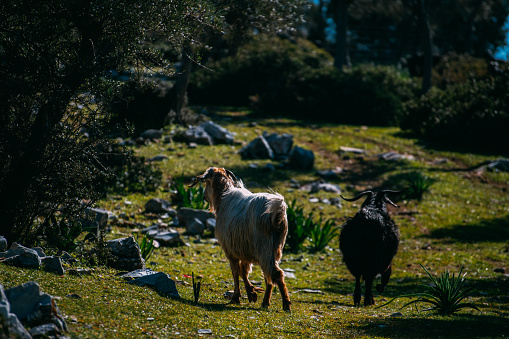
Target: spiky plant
x,y
444,294
321,234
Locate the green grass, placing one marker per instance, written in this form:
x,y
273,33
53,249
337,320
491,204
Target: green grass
x,y
461,221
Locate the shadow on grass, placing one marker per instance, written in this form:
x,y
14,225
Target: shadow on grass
x,y
457,326
488,230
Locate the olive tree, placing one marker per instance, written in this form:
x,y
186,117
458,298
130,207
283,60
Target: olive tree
x,y
54,62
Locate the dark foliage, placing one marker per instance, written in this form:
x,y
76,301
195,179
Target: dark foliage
x,y
296,78
474,114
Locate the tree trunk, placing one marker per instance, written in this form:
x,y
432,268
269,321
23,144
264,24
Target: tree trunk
x,y
427,43
341,18
183,82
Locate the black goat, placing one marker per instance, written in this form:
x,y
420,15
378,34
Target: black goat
x,y
369,241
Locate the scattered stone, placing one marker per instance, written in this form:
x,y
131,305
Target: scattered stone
x,y
21,256
68,258
336,202
160,282
393,156
301,158
314,200
158,205
152,134
320,185
307,290
186,215
53,264
397,315
500,165
192,145
258,148
289,275
170,238
195,226
73,296
499,270
211,224
34,308
142,272
97,219
218,133
124,254
269,167
228,294
159,157
3,244
204,331
330,173
344,149
9,322
45,331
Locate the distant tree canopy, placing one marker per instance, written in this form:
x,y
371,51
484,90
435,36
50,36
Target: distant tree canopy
x,y
384,31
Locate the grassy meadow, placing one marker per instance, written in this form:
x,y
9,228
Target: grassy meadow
x,y
461,221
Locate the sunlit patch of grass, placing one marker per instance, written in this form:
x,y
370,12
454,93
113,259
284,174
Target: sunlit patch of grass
x,y
443,231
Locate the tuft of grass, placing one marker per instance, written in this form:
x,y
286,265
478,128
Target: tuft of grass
x,y
444,294
418,184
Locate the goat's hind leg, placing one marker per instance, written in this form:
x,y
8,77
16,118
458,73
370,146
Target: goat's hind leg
x,y
357,291
368,294
268,292
235,267
278,277
386,275
245,269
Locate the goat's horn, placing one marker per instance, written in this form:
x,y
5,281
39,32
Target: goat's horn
x,y
394,192
231,175
387,200
202,177
357,197
196,180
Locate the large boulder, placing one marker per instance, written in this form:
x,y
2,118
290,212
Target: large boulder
x,y
10,325
170,238
34,308
195,226
152,134
97,220
281,145
258,148
3,244
302,159
53,264
124,254
21,256
500,165
218,133
198,135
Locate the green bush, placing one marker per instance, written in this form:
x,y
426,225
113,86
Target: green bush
x,y
458,69
277,76
299,227
472,114
321,235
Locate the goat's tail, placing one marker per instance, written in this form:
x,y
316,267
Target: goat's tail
x,y
277,211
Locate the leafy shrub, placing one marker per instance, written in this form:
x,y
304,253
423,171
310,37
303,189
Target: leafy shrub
x,y
457,69
192,197
473,114
321,234
280,77
444,294
131,175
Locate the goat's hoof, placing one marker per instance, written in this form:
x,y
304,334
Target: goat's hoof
x,y
235,300
253,297
369,302
286,308
265,305
380,288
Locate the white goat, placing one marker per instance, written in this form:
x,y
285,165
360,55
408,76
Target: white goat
x,y
251,228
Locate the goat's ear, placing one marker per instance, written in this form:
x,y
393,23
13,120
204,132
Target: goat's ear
x,y
208,174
